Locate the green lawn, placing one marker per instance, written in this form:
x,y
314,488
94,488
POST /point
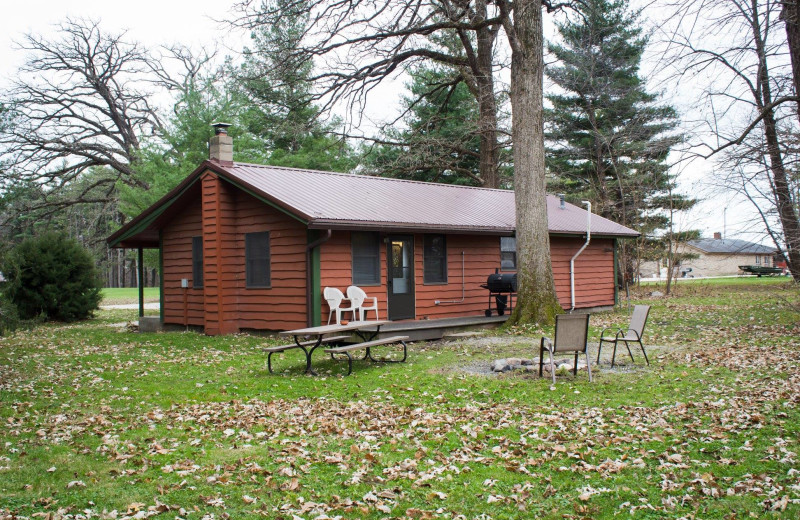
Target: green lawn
x,y
738,280
128,295
96,418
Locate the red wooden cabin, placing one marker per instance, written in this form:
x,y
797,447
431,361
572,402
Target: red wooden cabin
x,y
245,246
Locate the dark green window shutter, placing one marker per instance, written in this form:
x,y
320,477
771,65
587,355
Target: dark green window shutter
x,y
257,259
366,258
197,262
434,259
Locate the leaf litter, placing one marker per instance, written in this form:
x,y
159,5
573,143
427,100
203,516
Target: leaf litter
x,y
358,439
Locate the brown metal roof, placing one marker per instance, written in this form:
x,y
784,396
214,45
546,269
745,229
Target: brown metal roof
x,y
348,201
326,199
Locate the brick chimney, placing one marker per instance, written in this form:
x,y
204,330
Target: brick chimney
x,y
718,236
220,146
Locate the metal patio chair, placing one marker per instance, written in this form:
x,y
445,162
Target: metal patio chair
x,y
571,335
633,333
334,298
357,297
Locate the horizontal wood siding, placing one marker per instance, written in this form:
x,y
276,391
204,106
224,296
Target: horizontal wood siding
x,y
336,270
481,257
211,193
177,244
225,214
594,271
594,274
283,305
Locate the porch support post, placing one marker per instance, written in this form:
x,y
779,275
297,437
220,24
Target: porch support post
x,y
161,276
616,273
313,276
140,278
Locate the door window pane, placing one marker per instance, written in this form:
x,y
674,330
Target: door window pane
x,y
401,267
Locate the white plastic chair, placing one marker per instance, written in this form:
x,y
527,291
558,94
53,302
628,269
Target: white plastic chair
x,y
334,298
357,297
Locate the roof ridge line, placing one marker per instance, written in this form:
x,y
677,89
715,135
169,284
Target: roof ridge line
x,y
377,177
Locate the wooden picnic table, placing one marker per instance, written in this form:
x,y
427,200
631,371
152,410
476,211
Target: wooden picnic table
x,y
311,338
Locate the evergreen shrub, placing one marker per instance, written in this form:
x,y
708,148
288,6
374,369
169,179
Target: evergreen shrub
x,y
9,319
51,276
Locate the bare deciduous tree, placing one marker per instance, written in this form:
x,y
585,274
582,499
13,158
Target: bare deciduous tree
x,y
736,43
358,44
77,103
537,300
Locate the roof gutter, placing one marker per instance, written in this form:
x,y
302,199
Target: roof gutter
x,y
399,227
404,227
585,245
309,290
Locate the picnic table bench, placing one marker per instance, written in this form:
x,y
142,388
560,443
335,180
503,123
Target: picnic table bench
x,y
367,345
301,345
311,338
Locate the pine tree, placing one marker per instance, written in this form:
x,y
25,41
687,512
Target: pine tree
x,y
276,86
440,140
608,138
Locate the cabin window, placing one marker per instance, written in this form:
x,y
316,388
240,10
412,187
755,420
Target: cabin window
x,y
257,258
366,258
508,253
758,260
434,259
197,262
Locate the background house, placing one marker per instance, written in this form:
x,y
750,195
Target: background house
x,y
248,246
714,257
722,256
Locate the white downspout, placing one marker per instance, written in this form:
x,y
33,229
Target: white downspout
x,y
572,260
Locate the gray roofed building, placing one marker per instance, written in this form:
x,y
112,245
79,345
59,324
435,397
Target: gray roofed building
x,y
731,246
722,256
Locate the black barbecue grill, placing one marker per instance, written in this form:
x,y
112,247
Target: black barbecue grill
x,y
502,288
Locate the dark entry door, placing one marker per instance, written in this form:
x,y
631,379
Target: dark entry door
x,y
400,274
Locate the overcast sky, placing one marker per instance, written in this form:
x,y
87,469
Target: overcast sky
x,y
196,23
150,21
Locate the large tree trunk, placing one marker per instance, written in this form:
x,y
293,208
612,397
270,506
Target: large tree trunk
x,y
786,212
537,299
487,106
791,18
780,183
487,123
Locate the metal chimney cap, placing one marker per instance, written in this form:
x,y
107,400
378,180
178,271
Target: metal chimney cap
x,y
561,200
221,128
